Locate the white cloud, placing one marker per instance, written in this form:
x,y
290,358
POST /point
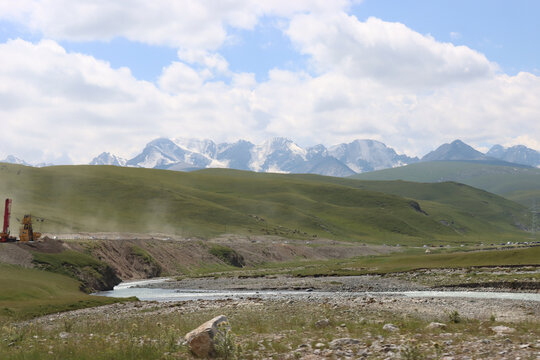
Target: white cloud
x,y
179,77
179,23
214,62
373,79
75,103
385,51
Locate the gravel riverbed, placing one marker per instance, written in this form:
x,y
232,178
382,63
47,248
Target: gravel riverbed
x,y
283,282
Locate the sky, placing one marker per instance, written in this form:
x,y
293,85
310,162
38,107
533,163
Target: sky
x,y
81,77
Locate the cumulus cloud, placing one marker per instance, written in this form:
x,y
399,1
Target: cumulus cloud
x,y
213,62
370,79
178,23
386,51
75,102
179,77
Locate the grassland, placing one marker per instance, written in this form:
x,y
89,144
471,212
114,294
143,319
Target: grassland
x,y
211,202
271,330
517,183
92,273
27,293
411,260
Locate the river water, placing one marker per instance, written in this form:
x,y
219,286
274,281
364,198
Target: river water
x,y
136,288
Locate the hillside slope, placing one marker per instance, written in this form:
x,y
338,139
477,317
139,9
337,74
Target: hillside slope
x,y
211,202
28,293
518,183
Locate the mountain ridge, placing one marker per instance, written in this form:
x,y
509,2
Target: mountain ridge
x,y
283,155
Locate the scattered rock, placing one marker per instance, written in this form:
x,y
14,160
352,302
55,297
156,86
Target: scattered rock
x,y
319,345
322,323
339,343
436,325
501,329
312,357
390,328
201,340
63,335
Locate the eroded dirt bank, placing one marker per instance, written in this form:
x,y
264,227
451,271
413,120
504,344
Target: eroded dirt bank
x,y
137,256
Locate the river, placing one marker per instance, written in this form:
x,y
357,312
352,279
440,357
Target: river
x,y
138,289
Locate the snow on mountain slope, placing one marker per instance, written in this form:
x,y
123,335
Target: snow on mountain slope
x,y
107,158
159,153
236,155
518,154
368,155
11,159
280,155
277,155
204,147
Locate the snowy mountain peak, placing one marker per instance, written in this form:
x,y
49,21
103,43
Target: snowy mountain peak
x,y
205,146
317,150
107,158
518,154
368,155
11,159
279,155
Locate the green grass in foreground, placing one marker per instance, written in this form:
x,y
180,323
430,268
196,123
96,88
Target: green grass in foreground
x,y
261,330
384,264
27,293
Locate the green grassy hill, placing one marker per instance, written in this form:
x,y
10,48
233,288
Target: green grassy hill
x,y
210,202
518,183
27,293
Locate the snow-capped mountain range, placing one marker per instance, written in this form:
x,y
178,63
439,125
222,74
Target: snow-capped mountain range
x,y
281,155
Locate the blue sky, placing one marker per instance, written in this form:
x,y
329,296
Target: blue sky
x,y
505,31
313,71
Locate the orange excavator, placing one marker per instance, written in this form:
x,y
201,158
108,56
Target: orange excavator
x,y
26,232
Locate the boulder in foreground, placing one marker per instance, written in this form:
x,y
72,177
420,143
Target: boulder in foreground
x,y
201,340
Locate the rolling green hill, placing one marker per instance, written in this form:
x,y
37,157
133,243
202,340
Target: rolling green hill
x,y
27,293
210,202
517,183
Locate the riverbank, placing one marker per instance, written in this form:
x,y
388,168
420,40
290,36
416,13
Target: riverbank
x,y
513,279
343,327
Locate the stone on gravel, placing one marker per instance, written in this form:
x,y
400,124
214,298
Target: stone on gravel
x,y
501,329
322,323
201,340
312,357
390,328
436,325
340,343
